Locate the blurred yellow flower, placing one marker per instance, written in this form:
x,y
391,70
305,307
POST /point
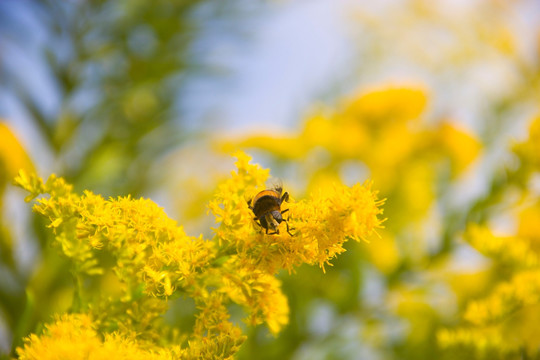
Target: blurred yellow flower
x,y
13,157
488,342
384,253
512,250
391,103
529,224
522,290
529,150
504,320
461,147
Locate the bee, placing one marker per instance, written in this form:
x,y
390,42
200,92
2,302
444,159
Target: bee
x,y
266,206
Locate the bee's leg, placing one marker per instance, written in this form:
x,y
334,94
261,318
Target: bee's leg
x,y
285,197
284,211
288,229
257,222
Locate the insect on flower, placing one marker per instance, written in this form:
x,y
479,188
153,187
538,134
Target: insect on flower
x,y
266,206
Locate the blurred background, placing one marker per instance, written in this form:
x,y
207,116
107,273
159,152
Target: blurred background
x,y
151,98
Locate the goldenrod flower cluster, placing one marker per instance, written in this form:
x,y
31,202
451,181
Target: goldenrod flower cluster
x,y
129,259
504,322
75,337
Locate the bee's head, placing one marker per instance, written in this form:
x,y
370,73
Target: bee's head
x,y
273,219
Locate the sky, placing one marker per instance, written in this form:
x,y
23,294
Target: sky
x,y
285,59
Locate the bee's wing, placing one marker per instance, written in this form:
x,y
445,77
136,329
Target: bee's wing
x,y
275,184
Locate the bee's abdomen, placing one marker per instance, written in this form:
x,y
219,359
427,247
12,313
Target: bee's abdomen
x,y
271,193
265,204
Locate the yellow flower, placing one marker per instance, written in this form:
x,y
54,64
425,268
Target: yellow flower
x,y
486,341
461,147
13,157
75,337
390,103
529,224
514,250
522,290
327,219
529,150
145,243
153,259
322,223
259,292
384,253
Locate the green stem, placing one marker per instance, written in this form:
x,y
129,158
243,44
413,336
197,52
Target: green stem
x,y
23,327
